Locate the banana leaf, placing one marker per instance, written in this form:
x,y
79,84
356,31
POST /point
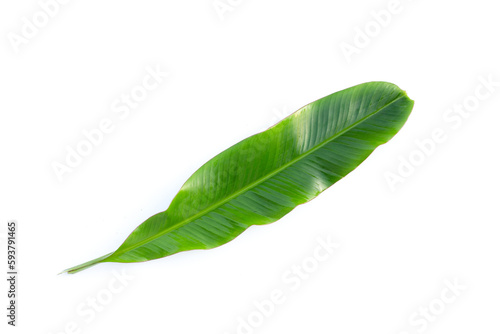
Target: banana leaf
x,y
263,177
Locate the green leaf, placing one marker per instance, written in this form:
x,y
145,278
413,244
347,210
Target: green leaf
x,y
263,177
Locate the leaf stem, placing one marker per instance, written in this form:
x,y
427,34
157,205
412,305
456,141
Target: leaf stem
x,y
85,265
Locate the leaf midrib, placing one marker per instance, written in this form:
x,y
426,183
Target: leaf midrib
x,y
255,183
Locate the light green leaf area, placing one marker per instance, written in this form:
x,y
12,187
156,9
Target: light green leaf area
x,y
263,177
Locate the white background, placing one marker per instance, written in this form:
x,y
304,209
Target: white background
x,y
231,75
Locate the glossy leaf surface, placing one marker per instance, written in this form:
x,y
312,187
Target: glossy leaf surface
x,y
262,178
